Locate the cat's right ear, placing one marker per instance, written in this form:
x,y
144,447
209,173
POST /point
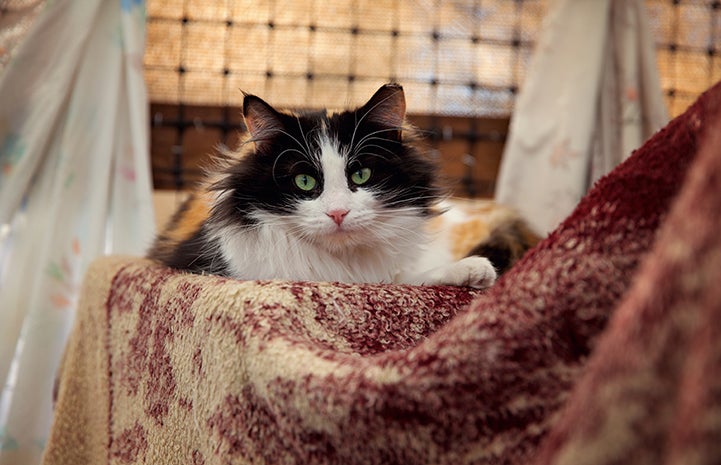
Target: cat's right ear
x,y
262,120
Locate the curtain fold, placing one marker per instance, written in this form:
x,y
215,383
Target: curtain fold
x,y
592,95
74,184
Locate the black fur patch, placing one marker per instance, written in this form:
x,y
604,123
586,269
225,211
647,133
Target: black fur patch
x,y
200,254
197,254
402,175
506,244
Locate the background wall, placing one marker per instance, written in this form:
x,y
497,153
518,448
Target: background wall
x,y
461,63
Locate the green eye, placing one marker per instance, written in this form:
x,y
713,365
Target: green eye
x,y
361,176
305,182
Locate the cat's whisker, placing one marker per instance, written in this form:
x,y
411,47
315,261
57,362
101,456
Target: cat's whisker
x,y
357,155
368,112
410,202
275,162
303,149
368,147
393,227
399,196
373,135
305,139
369,143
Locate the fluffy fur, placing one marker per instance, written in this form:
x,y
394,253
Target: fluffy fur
x,y
322,197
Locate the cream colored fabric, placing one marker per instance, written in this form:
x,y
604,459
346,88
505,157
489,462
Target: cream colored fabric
x,y
74,184
592,95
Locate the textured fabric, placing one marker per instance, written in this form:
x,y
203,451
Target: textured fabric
x,y
75,183
652,393
580,114
164,367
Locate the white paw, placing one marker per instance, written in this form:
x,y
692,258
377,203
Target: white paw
x,y
477,272
471,271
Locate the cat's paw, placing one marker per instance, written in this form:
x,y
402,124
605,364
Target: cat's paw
x,y
477,272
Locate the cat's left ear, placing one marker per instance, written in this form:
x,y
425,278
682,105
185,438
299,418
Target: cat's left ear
x,y
387,108
262,120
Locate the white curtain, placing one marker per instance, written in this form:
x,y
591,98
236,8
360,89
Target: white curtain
x,y
592,95
74,184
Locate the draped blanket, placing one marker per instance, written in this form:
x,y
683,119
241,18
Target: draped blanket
x,y
602,345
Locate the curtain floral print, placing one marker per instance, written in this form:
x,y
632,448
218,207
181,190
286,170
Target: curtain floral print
x,y
74,184
592,95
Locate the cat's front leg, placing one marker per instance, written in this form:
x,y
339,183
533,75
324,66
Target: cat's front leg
x,y
477,272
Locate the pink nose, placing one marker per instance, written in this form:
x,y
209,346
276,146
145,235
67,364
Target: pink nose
x,y
337,215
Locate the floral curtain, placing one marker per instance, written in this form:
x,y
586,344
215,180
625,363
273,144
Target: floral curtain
x,y
591,96
74,184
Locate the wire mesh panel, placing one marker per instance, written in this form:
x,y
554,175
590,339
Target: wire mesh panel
x,y
461,63
688,47
456,60
459,58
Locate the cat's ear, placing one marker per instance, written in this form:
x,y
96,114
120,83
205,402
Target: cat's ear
x,y
262,120
387,108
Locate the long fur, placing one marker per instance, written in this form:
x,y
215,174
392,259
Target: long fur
x,y
251,220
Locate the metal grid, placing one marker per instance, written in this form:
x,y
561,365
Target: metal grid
x,y
458,58
461,62
688,48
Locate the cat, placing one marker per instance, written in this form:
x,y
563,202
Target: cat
x,y
320,196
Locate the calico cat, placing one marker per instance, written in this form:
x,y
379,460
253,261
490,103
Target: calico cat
x,y
320,197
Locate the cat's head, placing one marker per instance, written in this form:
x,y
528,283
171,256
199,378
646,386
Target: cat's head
x,y
338,180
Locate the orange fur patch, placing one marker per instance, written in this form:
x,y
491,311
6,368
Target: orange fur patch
x,y
197,211
464,236
469,222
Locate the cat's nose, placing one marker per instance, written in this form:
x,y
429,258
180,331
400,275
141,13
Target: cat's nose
x,y
337,215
